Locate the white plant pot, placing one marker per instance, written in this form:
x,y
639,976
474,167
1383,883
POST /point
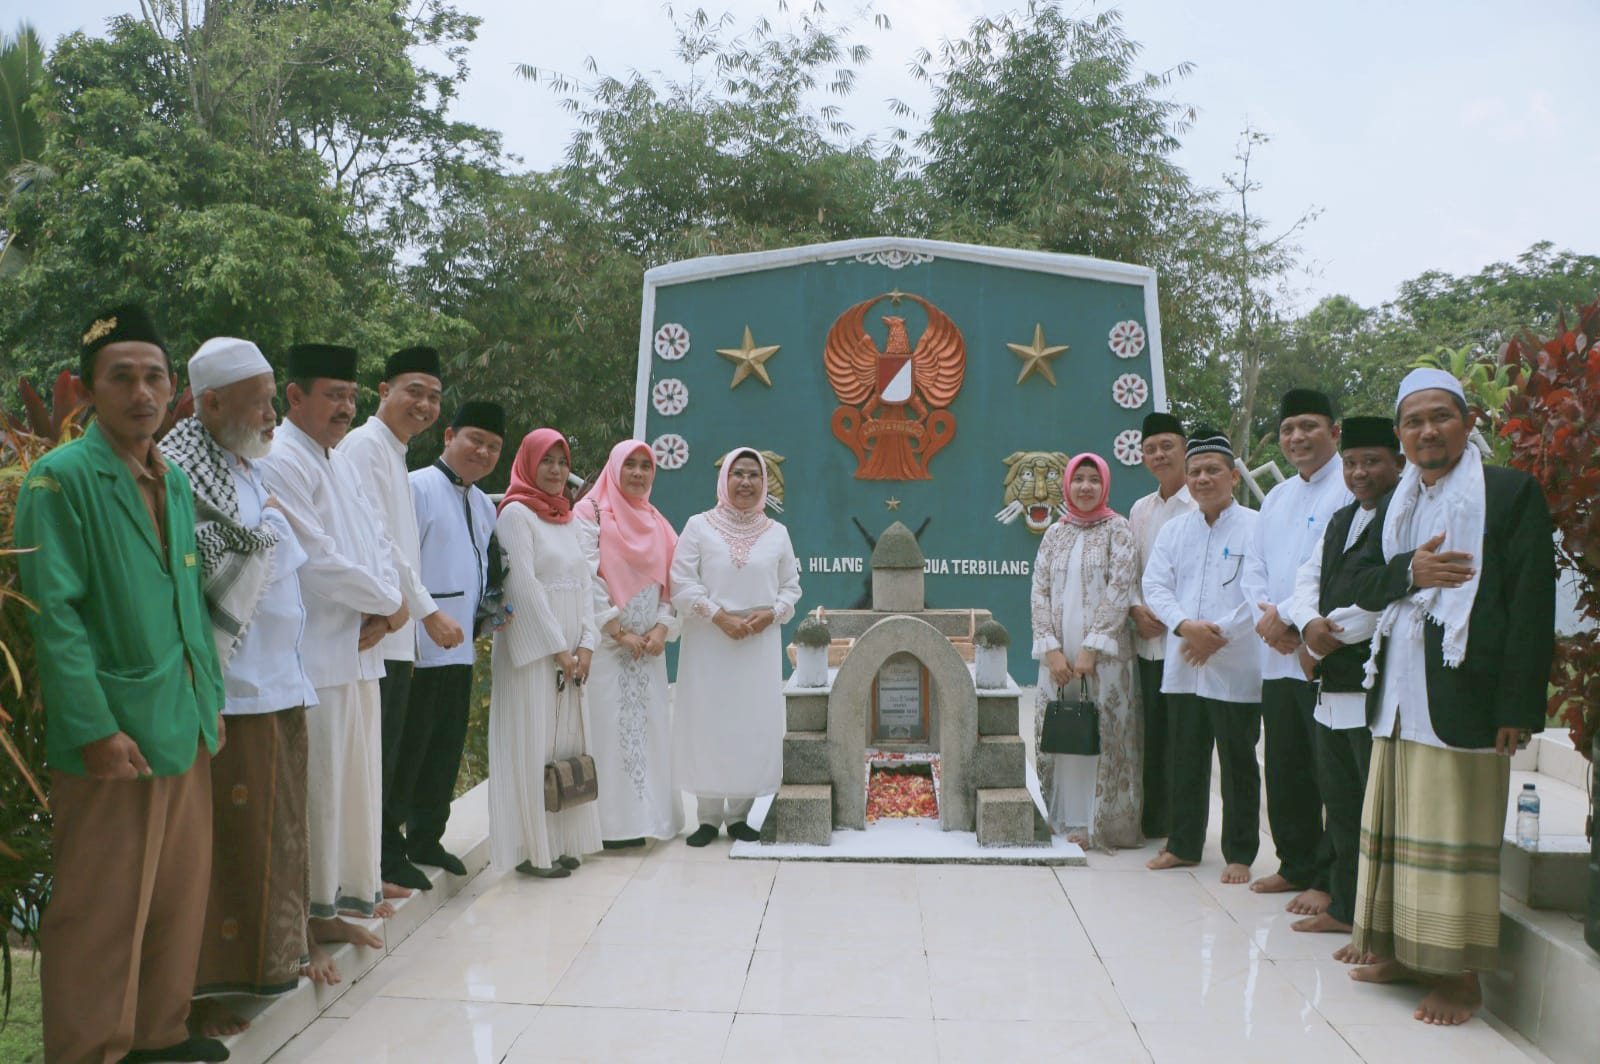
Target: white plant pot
x,y
811,666
991,667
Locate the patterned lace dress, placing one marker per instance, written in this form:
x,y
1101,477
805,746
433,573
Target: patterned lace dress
x,y
1083,580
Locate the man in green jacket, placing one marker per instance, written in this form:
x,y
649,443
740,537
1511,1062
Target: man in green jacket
x,y
132,694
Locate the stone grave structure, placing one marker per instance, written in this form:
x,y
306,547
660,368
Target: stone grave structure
x,y
902,682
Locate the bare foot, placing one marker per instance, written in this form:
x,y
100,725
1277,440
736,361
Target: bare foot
x,y
209,1017
344,931
1451,1001
1273,884
1168,859
1348,954
383,910
321,968
1078,838
1322,922
1385,972
395,891
1310,902
1236,873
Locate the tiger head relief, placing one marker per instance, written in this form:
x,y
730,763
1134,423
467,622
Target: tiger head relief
x,y
1033,489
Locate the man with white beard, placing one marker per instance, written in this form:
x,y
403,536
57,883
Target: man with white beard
x,y
255,929
352,599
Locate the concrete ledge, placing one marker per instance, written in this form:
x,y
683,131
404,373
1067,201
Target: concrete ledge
x,y
274,1021
805,757
1555,876
806,712
1005,816
1547,984
998,714
1000,763
802,814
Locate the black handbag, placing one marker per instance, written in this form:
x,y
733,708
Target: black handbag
x,y
1071,726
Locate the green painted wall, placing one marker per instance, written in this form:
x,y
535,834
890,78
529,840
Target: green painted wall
x,y
794,306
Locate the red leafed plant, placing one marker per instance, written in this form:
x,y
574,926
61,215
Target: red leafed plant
x,y
1553,423
68,405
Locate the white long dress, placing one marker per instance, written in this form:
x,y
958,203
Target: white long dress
x,y
1082,581
530,723
727,734
630,710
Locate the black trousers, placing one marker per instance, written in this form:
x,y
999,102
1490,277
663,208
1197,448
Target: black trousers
x,y
1342,760
395,696
1198,724
1294,802
430,758
1157,751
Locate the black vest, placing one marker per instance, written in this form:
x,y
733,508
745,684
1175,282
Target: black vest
x,y
1345,669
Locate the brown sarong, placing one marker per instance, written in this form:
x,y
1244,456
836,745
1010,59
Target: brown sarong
x,y
1428,889
255,933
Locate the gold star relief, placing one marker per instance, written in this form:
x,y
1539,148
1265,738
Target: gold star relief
x,y
747,359
1037,356
892,503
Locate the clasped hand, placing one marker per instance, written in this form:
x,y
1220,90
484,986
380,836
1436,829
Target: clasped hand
x,y
653,642
743,627
1200,640
1062,672
1274,631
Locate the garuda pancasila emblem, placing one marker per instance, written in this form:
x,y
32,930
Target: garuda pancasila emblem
x,y
893,402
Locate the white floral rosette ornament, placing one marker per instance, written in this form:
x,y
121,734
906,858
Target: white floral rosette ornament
x,y
671,451
1128,447
672,341
1127,339
1130,391
669,396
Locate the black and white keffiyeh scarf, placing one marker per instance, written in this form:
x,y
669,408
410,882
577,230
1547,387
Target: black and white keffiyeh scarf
x,y
235,562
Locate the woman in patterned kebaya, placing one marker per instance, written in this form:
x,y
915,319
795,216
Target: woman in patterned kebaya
x,y
1085,573
735,579
629,547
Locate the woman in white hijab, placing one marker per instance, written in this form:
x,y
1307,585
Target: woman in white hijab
x,y
735,579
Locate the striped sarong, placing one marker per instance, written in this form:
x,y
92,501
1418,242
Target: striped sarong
x,y
1428,890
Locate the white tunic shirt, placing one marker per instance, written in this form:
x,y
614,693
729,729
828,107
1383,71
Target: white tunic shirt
x,y
380,461
266,672
1148,517
1337,710
1403,691
1292,519
348,570
1194,574
454,522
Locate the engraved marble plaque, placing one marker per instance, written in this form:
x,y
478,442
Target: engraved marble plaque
x,y
900,701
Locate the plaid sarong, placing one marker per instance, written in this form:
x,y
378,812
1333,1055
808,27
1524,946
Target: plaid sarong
x,y
1428,890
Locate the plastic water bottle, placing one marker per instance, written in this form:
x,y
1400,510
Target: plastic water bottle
x,y
1528,818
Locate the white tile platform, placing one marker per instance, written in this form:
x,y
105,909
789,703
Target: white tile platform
x,y
674,954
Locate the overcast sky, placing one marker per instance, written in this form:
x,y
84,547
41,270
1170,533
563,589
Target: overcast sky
x,y
1432,134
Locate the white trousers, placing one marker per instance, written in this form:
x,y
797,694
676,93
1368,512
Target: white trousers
x,y
719,811
343,798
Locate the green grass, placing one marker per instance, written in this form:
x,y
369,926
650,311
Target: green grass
x,y
22,1036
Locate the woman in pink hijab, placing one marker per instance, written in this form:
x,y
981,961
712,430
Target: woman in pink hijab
x,y
735,581
629,544
541,660
1084,579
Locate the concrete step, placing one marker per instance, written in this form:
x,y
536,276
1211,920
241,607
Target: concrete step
x,y
1005,817
999,713
800,813
1001,762
276,1020
806,712
1554,875
805,757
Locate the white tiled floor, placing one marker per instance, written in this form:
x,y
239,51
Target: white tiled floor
x,y
685,955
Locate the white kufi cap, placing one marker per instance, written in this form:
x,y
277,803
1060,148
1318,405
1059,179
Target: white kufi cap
x,y
222,361
1425,379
